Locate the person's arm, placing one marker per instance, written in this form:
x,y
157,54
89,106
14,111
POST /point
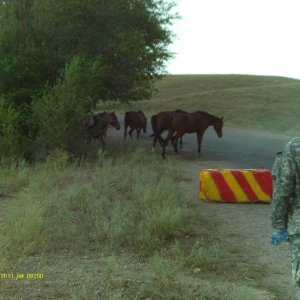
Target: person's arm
x,y
284,188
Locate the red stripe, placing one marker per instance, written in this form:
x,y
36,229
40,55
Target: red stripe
x,y
264,179
243,182
224,190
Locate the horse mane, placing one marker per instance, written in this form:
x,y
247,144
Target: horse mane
x,y
180,111
141,112
211,117
97,118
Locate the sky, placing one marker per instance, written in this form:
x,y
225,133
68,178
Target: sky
x,y
257,37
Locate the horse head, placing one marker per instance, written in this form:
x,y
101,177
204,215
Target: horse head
x,y
113,120
218,125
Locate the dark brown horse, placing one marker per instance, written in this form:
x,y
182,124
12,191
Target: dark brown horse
x,y
135,120
198,122
159,124
97,125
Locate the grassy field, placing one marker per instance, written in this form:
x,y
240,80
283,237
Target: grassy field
x,y
261,102
123,226
120,227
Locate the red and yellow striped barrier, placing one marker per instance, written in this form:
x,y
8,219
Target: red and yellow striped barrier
x,y
233,185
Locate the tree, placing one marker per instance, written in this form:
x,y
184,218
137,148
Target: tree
x,y
120,46
38,39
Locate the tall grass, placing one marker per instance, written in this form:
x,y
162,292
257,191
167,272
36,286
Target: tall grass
x,y
113,228
131,201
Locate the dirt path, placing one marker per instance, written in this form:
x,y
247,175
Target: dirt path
x,y
243,228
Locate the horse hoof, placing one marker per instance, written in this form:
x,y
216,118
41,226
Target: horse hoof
x,y
153,149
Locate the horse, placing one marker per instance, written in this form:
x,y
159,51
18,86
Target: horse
x,y
135,120
178,124
96,126
159,124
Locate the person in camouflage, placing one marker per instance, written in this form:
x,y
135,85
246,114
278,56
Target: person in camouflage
x,y
285,206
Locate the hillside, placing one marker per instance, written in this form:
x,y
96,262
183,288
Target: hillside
x,y
263,102
268,103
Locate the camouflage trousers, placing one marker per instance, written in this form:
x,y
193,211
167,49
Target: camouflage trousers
x,y
294,241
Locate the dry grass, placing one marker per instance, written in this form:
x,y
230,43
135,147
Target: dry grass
x,y
114,228
266,103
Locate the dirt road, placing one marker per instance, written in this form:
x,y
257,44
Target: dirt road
x,y
245,228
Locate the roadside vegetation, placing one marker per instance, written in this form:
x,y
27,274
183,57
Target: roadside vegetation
x,y
59,58
120,227
261,102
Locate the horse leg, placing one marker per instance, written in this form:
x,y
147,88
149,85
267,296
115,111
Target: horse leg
x,y
164,148
176,137
138,130
157,137
101,139
165,143
161,141
199,138
180,142
125,132
154,143
173,141
130,133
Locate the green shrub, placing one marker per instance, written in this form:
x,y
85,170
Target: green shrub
x,y
162,281
11,140
204,256
59,114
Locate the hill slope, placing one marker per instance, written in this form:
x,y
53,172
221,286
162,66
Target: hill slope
x,y
267,103
263,102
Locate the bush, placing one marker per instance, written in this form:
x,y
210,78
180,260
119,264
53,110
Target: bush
x,y
11,140
59,114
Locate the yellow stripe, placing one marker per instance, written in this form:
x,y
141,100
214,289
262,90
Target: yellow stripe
x,y
261,195
209,187
238,192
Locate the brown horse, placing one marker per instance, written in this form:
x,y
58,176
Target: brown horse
x,y
97,125
198,122
159,124
135,120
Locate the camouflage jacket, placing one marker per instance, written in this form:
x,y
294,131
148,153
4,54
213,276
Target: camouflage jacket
x,y
285,206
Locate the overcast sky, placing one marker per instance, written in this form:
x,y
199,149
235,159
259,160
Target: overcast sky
x,y
259,37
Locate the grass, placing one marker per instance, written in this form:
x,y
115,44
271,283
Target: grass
x,y
261,102
121,226
125,202
114,228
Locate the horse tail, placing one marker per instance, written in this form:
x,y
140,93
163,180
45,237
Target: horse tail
x,y
138,115
126,119
165,124
143,120
153,124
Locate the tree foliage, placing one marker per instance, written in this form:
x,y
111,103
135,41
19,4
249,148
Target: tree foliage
x,y
38,39
120,46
